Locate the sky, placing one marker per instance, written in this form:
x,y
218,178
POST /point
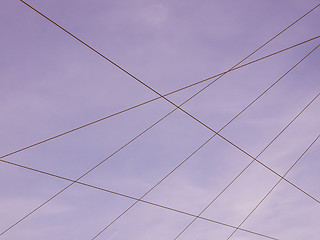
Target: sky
x,y
51,83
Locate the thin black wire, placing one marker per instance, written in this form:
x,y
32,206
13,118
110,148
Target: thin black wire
x,y
127,196
97,166
178,107
151,100
55,195
216,133
234,179
153,90
137,79
194,152
101,163
76,181
255,208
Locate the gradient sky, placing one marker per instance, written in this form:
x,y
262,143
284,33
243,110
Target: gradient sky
x,y
51,83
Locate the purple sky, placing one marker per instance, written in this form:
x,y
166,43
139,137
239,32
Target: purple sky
x,y
50,83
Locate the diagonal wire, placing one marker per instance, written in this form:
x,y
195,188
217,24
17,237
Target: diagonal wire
x,y
207,141
129,197
77,180
243,170
153,90
273,187
154,99
202,145
92,170
134,77
179,107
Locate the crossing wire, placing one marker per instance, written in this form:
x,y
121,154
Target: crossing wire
x,y
127,196
154,99
243,170
124,147
207,141
179,107
255,208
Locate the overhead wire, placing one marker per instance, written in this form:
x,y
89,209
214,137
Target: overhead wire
x,y
179,107
153,99
136,78
244,169
206,142
156,92
147,202
88,172
270,191
125,196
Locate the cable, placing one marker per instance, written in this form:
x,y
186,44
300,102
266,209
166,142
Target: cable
x,y
151,100
195,151
134,77
234,179
255,208
207,141
179,107
158,122
82,175
126,196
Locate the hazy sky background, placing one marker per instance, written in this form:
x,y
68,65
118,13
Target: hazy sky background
x,y
50,83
